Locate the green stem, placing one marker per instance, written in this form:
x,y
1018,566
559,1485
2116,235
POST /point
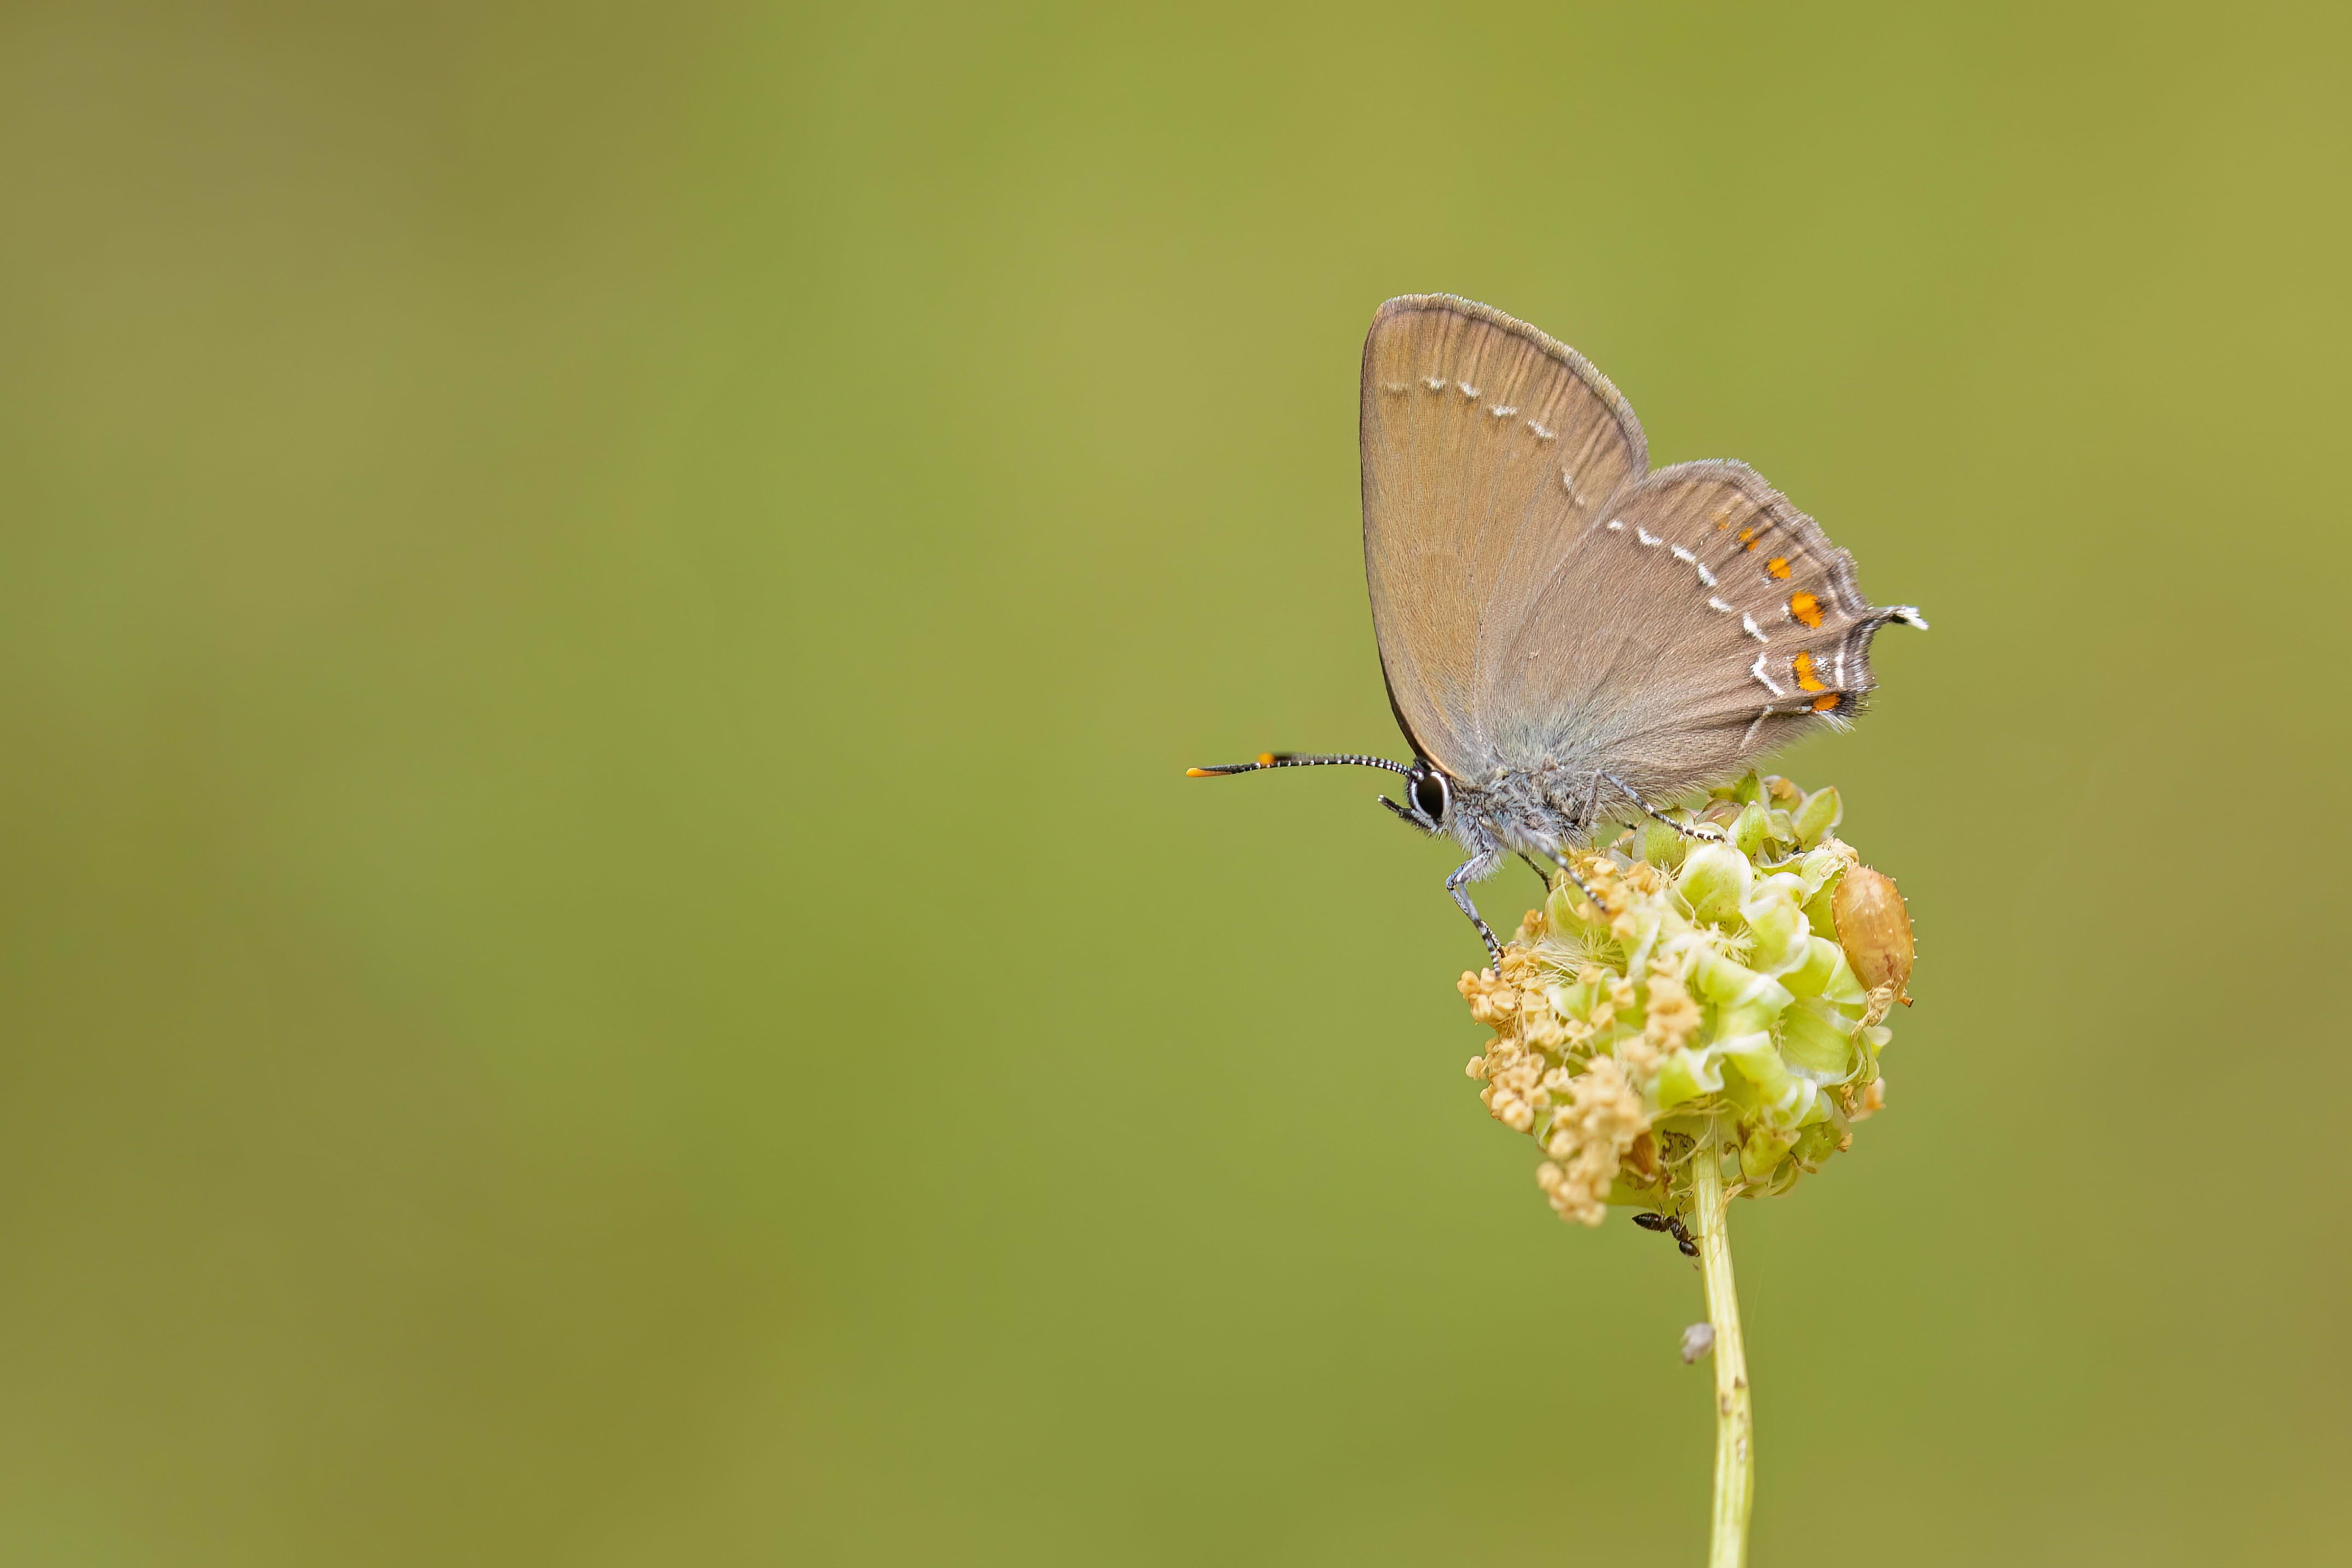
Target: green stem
x,y
1735,1476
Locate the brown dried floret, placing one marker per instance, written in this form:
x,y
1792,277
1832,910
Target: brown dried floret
x,y
1588,1137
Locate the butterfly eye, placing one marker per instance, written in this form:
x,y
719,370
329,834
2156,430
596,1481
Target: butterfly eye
x,y
1430,793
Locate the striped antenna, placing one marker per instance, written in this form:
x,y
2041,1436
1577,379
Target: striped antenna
x,y
1266,760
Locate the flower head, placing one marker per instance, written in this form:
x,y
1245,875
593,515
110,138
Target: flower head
x,y
1741,977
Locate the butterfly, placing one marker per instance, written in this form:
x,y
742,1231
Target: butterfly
x,y
1562,630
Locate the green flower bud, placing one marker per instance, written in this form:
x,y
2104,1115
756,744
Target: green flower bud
x,y
1715,879
1822,958
1820,911
1781,935
1813,1042
1841,988
1748,830
1819,1142
1685,1076
1737,986
1821,812
1757,1061
1762,1149
1821,867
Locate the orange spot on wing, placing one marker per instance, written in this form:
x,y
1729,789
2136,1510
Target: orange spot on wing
x,y
1806,680
1825,704
1748,538
1805,608
1778,567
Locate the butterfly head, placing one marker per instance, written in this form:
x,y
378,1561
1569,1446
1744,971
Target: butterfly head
x,y
1428,797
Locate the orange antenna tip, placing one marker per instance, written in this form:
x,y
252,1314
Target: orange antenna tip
x,y
1200,773
1266,760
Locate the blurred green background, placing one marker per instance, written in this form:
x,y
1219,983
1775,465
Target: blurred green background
x,y
606,957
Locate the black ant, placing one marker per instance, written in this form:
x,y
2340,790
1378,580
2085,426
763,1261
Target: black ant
x,y
1672,1224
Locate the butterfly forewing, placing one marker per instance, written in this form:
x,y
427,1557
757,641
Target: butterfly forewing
x,y
1489,451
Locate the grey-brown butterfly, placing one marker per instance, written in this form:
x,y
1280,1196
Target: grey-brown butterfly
x,y
1563,631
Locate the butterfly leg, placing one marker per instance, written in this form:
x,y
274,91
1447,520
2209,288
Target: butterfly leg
x,y
1540,872
1471,870
1636,796
1591,819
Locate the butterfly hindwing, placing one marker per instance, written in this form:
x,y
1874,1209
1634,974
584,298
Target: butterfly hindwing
x,y
1704,619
